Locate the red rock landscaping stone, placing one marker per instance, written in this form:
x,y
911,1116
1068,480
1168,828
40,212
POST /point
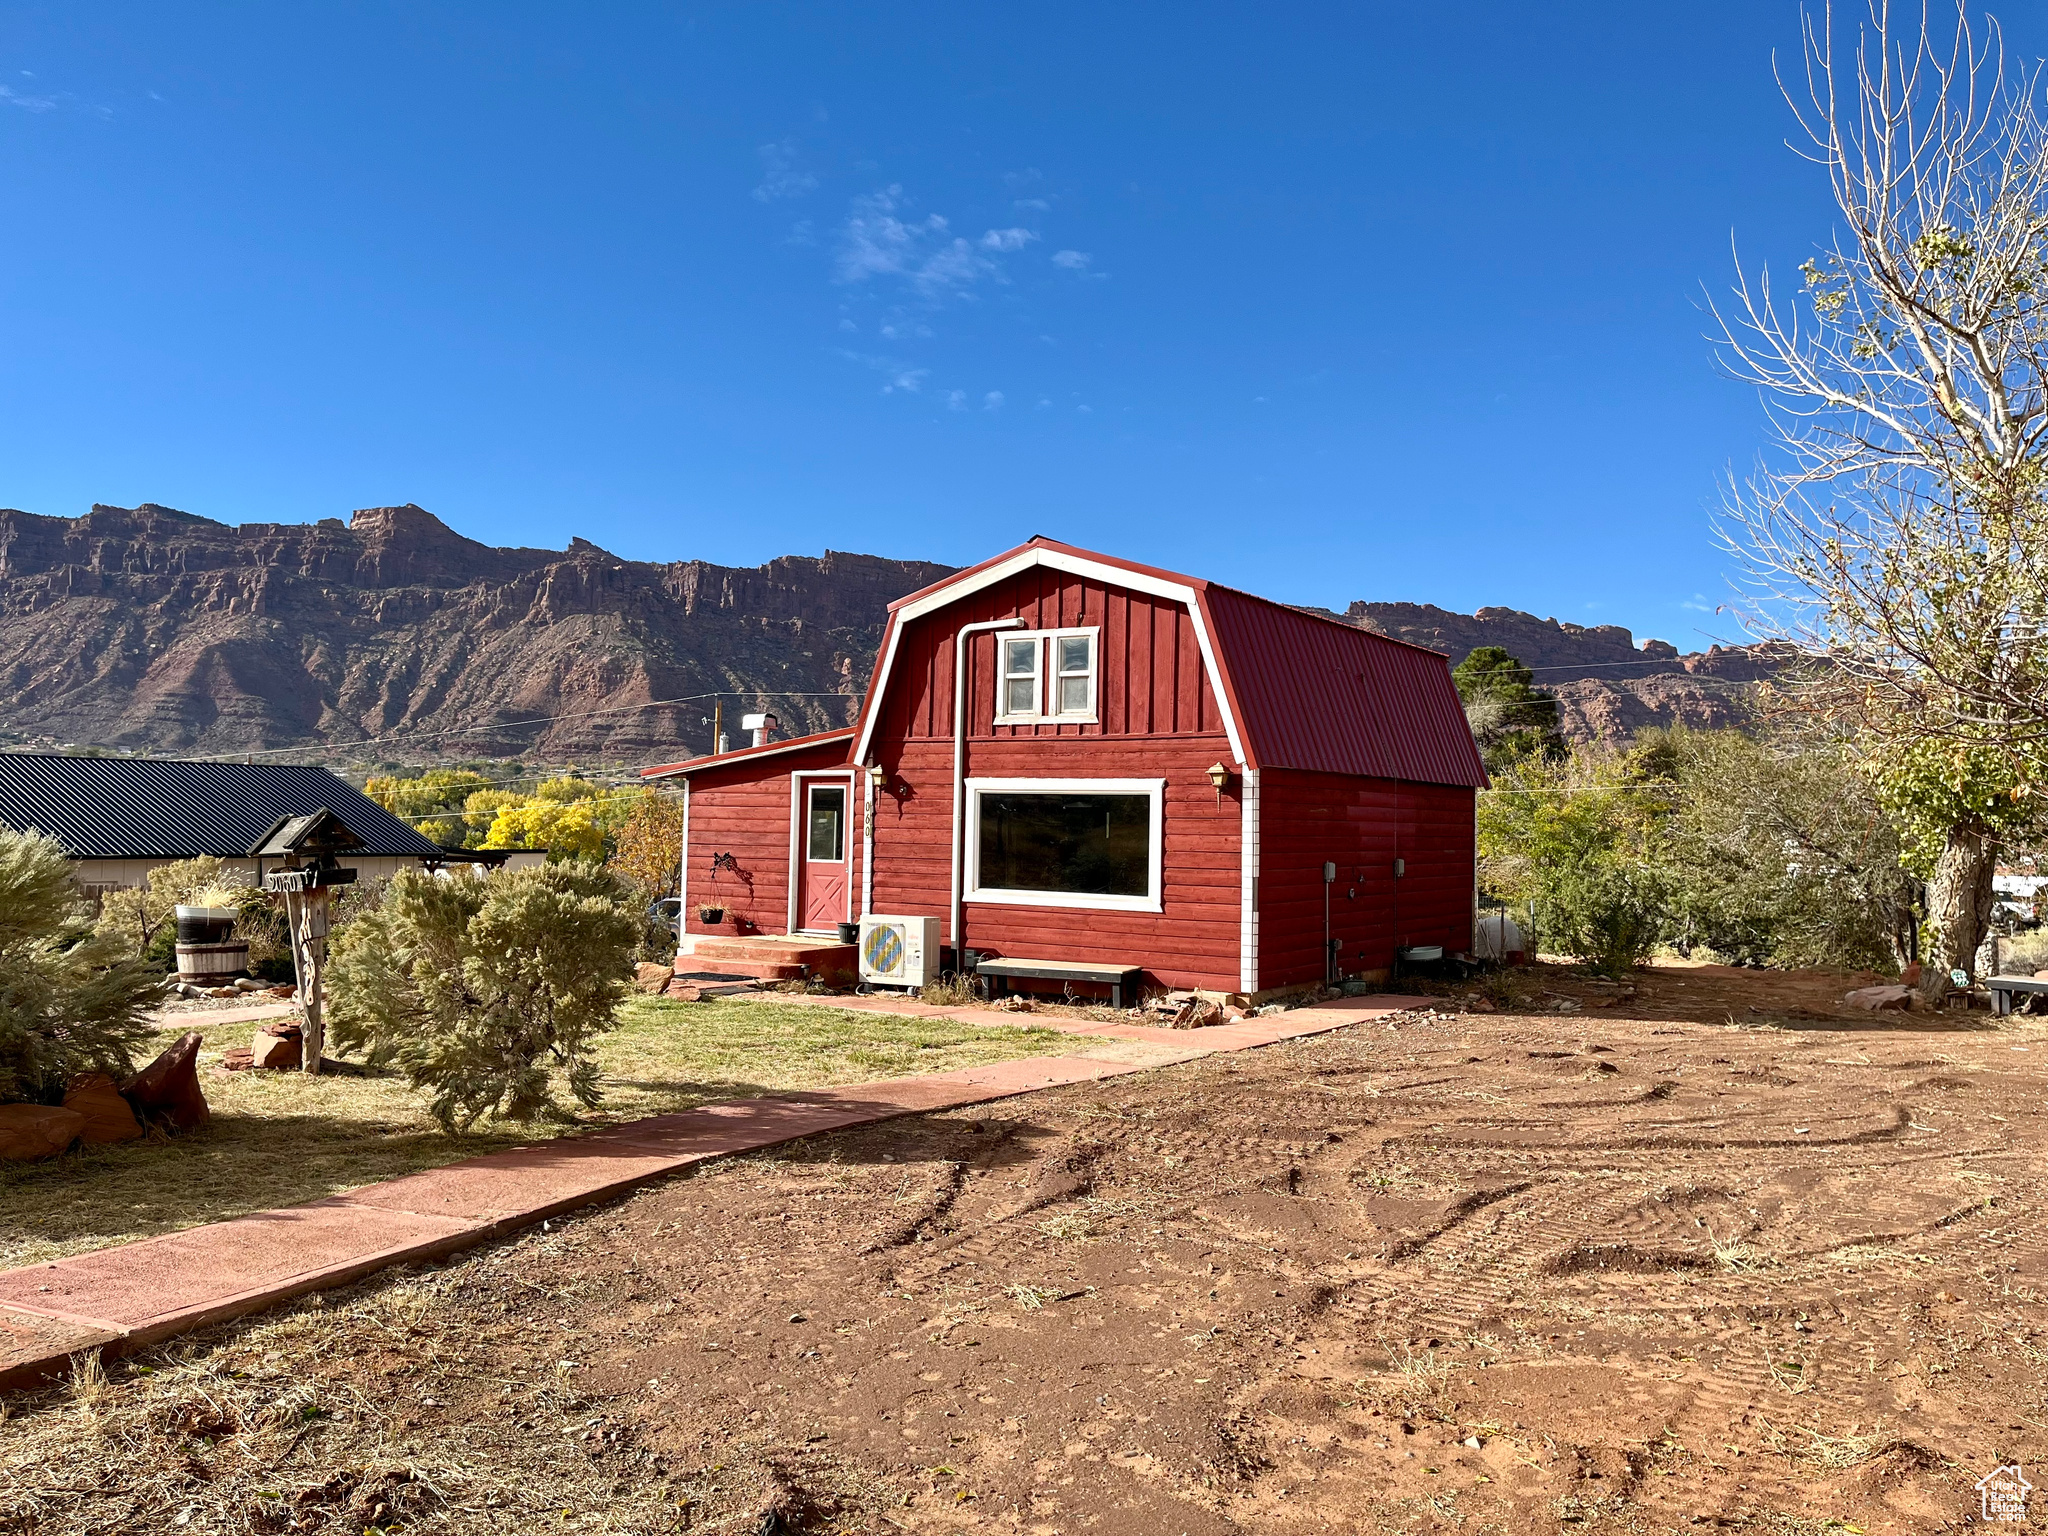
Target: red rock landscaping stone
x,y
167,1090
277,1052
30,1131
108,1116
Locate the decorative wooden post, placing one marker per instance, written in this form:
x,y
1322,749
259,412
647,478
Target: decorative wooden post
x,y
305,887
306,917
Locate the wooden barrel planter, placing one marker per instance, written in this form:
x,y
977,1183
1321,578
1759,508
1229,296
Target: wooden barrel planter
x,y
205,952
212,964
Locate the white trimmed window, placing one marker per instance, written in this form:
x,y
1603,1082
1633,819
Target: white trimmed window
x,y
1085,843
1046,675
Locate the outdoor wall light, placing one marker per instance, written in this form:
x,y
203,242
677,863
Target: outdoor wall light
x,y
880,775
1220,777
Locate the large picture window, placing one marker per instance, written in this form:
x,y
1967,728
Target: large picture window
x,y
1065,842
1046,676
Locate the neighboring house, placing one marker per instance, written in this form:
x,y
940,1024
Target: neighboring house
x,y
120,817
1153,770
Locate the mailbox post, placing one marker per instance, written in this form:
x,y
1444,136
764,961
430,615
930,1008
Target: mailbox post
x,y
307,845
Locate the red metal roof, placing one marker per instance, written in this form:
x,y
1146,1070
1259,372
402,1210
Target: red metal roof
x,y
1326,696
719,760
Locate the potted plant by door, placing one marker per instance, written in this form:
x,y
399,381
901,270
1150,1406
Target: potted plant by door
x,y
710,913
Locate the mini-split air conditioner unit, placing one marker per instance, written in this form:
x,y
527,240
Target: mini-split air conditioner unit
x,y
898,951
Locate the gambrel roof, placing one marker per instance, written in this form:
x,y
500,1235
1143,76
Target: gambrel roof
x,y
1297,690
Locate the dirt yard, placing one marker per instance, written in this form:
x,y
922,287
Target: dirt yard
x,y
278,1138
1713,1256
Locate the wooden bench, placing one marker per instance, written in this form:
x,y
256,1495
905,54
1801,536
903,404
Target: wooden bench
x,y
2002,989
1117,978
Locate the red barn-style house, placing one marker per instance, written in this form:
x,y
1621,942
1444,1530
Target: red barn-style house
x,y
1069,757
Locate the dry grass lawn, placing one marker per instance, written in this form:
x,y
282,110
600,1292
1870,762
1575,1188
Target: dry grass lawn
x,y
279,1138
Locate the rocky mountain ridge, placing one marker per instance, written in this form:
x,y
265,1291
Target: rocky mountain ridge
x,y
390,637
1607,686
395,637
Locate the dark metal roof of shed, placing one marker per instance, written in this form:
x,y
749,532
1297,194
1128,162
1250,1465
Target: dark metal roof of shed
x,y
162,808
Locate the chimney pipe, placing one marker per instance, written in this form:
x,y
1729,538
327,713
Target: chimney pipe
x,y
762,725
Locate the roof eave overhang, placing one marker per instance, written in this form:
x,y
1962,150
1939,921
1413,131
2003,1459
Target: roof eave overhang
x,y
745,755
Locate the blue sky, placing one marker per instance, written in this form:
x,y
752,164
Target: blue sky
x,y
1330,302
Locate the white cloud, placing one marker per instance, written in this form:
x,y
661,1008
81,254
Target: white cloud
x,y
801,233
896,375
781,176
881,240
1699,603
15,98
1073,261
992,401
956,399
1033,204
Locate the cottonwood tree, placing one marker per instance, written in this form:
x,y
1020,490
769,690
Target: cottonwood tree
x,y
1895,528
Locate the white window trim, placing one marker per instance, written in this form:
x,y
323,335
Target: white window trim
x,y
1004,640
1149,902
1047,679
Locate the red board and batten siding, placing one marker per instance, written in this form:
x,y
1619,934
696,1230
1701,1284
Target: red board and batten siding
x,y
1191,942
1362,826
743,808
1156,717
1150,676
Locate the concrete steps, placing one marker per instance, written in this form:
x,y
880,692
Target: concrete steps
x,y
767,957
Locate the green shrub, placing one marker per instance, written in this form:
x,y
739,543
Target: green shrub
x,y
70,1000
488,992
1608,914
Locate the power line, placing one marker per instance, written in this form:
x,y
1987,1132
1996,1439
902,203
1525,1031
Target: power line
x,y
585,714
1587,666
506,725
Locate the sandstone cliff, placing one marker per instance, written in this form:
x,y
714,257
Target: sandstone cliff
x,y
1607,686
152,628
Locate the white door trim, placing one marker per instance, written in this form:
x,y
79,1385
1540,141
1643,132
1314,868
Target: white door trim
x,y
799,828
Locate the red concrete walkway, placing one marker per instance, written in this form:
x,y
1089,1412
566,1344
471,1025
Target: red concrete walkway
x,y
127,1297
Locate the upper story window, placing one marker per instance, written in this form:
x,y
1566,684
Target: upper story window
x,y
1046,675
1020,675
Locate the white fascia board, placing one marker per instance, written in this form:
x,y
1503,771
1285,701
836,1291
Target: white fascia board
x,y
744,755
1073,565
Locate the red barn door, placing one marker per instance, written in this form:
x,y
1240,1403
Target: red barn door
x,y
823,861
